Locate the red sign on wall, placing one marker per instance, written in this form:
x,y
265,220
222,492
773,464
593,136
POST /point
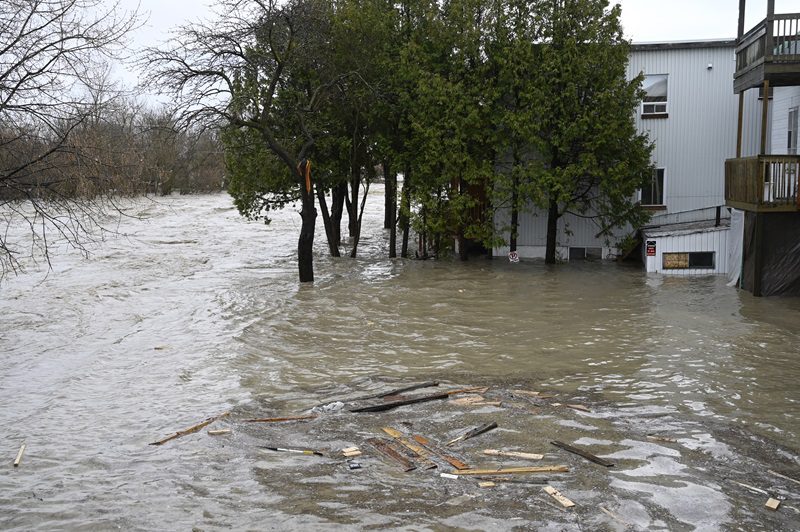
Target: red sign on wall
x,y
651,248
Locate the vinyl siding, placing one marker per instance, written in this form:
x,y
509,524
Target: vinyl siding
x,y
712,240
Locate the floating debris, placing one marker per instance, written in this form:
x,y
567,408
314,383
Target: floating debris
x,y
21,451
191,430
351,452
472,433
513,454
580,452
219,432
455,462
281,419
422,454
385,448
772,504
285,450
514,470
554,493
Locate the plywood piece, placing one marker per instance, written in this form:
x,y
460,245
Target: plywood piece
x,y
513,454
773,504
554,493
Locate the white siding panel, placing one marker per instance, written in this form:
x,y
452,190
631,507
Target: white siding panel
x,y
784,98
715,241
700,132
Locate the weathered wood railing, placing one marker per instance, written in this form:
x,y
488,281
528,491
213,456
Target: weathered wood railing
x,y
773,42
765,182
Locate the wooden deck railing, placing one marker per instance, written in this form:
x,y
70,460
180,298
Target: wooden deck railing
x,y
769,49
763,183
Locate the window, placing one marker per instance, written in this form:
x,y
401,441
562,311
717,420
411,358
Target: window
x,y
655,100
791,146
698,260
653,190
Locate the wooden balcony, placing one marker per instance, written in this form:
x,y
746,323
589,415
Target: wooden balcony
x,y
764,183
769,52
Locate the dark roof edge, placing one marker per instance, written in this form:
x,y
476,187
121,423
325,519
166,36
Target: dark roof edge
x,y
682,45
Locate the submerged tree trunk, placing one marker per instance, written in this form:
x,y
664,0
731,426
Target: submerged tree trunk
x,y
405,211
333,244
308,214
388,196
337,210
391,207
552,232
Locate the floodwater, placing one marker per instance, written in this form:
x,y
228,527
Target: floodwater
x,y
194,311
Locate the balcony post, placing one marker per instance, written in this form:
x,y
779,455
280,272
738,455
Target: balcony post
x,y
741,120
769,37
764,118
741,19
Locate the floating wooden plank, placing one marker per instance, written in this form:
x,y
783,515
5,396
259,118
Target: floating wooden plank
x,y
773,504
465,401
455,462
429,384
21,451
510,480
403,402
385,448
513,454
771,472
472,433
487,484
614,516
653,437
351,452
423,454
280,419
554,493
526,392
478,390
191,430
514,470
582,408
752,488
580,452
448,475
219,432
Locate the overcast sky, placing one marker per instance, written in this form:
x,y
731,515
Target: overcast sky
x,y
643,20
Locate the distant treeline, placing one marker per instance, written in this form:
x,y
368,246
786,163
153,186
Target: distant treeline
x,y
120,147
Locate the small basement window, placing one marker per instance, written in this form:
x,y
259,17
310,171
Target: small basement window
x,y
585,253
696,260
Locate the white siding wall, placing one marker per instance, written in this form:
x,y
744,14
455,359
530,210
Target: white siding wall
x,y
691,144
700,132
784,98
716,241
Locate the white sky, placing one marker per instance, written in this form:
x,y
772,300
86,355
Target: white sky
x,y
643,20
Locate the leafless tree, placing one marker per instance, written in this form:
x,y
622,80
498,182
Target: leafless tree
x,y
51,181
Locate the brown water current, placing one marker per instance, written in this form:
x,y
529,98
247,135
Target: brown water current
x,y
194,311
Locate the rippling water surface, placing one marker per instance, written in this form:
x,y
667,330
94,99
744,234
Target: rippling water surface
x,y
195,311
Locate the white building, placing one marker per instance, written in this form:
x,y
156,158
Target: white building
x,y
690,114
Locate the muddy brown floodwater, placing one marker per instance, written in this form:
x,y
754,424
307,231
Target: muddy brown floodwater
x,y
196,311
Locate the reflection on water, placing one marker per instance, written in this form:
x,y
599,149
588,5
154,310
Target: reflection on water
x,y
196,311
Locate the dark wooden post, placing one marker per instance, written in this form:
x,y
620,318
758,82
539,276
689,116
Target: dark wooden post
x,y
741,126
764,118
742,4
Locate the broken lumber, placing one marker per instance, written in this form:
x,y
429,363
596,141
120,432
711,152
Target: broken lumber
x,y
773,504
351,452
384,447
752,488
280,419
580,452
220,432
421,452
771,472
513,454
514,470
554,493
472,433
582,408
402,402
653,437
614,516
487,484
21,451
398,391
190,430
468,390
425,442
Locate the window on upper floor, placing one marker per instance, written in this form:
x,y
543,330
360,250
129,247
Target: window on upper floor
x,y
791,132
654,104
653,191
